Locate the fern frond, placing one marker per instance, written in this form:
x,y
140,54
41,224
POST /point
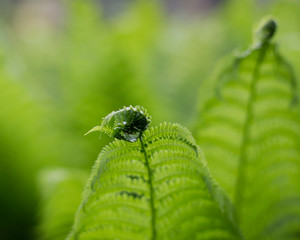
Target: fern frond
x,y
155,188
249,130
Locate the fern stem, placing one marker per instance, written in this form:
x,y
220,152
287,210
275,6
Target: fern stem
x,y
242,163
151,189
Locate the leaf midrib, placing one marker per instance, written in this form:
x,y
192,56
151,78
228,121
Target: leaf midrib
x,y
151,200
242,162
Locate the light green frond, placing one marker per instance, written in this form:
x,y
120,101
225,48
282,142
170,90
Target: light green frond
x,y
152,189
249,129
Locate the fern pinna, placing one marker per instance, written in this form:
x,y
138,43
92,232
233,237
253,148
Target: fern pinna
x,y
157,187
249,129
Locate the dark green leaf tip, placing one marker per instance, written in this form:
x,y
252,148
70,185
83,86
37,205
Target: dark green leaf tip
x,y
265,31
127,123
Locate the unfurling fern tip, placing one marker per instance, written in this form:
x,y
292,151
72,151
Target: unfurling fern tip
x,y
127,123
265,31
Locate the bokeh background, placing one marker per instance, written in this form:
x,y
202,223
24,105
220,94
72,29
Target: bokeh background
x,y
65,64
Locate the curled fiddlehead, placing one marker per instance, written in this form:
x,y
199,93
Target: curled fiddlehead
x,y
127,123
265,31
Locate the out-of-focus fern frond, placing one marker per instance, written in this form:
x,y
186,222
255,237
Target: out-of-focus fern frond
x,y
61,191
155,188
249,129
24,138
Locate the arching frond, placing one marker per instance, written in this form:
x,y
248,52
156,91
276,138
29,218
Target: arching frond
x,y
249,129
155,188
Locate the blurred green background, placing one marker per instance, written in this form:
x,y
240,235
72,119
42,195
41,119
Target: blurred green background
x,y
66,64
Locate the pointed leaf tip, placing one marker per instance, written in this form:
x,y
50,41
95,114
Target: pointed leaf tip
x,y
94,129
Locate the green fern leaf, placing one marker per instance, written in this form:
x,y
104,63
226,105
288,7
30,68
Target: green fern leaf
x,y
249,129
155,188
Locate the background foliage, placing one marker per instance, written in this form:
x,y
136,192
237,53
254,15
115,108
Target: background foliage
x,y
66,64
